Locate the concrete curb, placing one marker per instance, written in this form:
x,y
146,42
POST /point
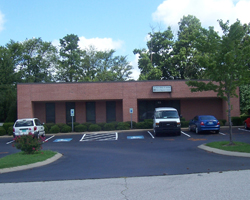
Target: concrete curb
x,y
223,152
30,166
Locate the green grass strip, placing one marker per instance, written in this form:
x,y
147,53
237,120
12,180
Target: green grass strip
x,y
19,159
237,147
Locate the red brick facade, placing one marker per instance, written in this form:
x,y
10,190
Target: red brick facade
x,y
32,99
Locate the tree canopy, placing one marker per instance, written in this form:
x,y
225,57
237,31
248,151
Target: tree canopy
x,y
225,60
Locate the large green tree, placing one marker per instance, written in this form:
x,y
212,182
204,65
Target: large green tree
x,y
38,60
225,60
69,62
7,85
184,52
104,66
155,61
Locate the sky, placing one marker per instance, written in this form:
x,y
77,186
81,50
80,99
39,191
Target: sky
x,y
122,25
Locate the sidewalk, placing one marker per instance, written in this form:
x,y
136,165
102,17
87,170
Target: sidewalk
x,y
206,186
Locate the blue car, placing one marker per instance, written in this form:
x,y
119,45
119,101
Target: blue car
x,y
204,123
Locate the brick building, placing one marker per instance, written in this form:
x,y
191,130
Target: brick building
x,y
98,102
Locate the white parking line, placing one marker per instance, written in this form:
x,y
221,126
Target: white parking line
x,y
241,129
185,134
10,142
151,135
49,138
222,133
82,138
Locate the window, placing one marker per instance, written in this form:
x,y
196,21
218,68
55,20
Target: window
x,y
50,113
110,111
69,106
90,112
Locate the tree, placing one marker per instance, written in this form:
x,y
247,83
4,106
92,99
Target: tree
x,y
104,66
184,51
7,85
38,61
225,60
155,62
69,63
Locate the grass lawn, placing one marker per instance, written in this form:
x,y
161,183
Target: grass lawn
x,y
238,146
19,159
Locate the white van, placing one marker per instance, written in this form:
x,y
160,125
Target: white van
x,y
166,120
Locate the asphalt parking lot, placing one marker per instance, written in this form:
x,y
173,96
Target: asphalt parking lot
x,y
128,154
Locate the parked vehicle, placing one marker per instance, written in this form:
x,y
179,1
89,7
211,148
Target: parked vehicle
x,y
166,120
28,125
247,123
204,123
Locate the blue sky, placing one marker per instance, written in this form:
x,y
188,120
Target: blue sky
x,y
122,25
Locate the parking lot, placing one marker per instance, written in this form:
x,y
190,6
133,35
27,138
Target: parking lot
x,y
129,154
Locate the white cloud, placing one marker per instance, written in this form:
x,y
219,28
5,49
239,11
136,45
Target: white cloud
x,y
135,70
1,21
207,11
100,44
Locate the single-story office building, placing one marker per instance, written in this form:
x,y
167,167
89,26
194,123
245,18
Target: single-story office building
x,y
99,102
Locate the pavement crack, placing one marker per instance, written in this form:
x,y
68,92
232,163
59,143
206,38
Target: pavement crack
x,y
126,188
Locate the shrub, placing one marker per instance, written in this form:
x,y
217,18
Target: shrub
x,y
222,122
140,125
29,144
54,129
2,131
49,125
148,123
94,127
101,125
7,125
133,124
66,129
81,128
237,121
60,125
87,124
109,127
184,123
123,126
74,124
46,129
10,131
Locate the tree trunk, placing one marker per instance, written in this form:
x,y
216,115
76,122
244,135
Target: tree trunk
x,y
229,119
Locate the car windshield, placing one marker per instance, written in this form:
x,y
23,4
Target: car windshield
x,y
166,114
207,118
24,123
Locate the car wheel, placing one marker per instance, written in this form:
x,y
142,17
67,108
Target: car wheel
x,y
189,128
217,131
196,130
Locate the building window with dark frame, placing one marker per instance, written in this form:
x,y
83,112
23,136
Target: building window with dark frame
x,y
110,111
50,112
69,106
90,112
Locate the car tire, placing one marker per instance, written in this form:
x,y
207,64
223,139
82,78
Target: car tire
x,y
196,130
217,131
189,128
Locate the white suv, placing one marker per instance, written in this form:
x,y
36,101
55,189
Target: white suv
x,y
166,120
28,125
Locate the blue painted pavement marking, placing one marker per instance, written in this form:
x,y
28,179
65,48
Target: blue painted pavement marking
x,y
135,137
63,140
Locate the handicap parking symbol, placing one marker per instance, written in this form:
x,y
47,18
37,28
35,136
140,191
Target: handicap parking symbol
x,y
63,140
